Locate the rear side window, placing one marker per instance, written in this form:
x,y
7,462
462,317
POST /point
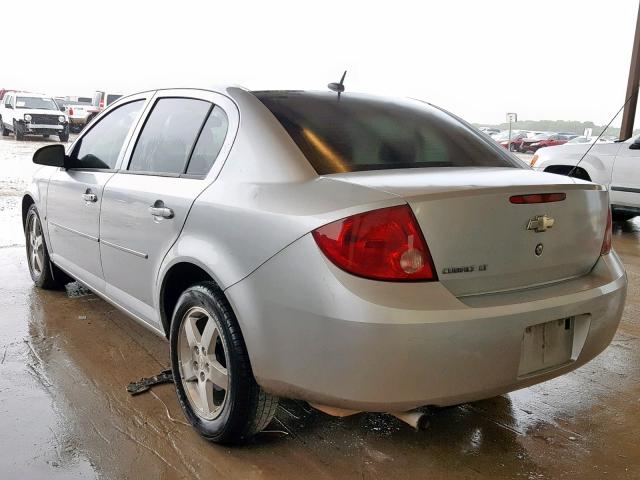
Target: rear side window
x,y
101,146
357,132
168,136
209,143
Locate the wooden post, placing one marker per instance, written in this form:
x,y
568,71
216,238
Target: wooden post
x,y
629,114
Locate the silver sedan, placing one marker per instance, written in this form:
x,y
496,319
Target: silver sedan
x,y
356,252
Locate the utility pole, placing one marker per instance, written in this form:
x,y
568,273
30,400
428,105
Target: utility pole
x,y
629,114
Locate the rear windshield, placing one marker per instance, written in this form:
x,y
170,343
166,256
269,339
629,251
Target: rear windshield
x,y
356,133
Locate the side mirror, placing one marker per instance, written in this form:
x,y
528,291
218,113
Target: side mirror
x,y
61,107
635,145
50,155
9,106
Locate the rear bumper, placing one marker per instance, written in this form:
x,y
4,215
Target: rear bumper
x,y
316,333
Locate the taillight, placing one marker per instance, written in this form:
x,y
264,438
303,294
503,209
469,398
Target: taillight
x,y
101,105
70,111
606,243
384,244
538,198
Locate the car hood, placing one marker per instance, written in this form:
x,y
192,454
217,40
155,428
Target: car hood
x,y
38,111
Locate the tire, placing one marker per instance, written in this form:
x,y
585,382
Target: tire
x,y
621,216
231,416
3,129
44,274
17,130
64,137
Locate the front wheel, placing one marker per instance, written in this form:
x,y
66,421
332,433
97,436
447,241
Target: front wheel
x,y
18,131
43,273
64,136
213,377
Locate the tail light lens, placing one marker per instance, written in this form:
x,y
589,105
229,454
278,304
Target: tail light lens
x,y
606,243
385,244
70,111
101,105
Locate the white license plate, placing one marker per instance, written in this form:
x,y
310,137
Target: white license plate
x,y
35,126
546,346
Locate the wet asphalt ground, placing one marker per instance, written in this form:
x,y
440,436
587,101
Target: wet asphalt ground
x,y
66,358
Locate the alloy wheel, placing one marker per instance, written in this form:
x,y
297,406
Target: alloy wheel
x,y
203,360
35,245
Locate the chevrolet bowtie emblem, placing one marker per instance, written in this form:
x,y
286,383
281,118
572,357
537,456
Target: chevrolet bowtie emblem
x,y
540,223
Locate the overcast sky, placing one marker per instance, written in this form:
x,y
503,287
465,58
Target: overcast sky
x,y
562,59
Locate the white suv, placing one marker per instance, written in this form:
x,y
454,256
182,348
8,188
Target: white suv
x,y
32,114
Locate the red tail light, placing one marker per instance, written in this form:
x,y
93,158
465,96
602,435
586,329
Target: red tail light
x,y
70,111
606,243
385,244
101,104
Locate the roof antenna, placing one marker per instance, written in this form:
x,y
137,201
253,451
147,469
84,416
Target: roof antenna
x,y
338,87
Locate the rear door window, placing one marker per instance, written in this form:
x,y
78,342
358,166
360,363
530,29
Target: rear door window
x,y
358,132
167,139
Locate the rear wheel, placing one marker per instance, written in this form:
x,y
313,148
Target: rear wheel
x,y
43,273
213,377
3,129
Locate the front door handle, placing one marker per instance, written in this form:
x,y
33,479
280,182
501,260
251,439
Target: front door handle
x,y
158,210
89,197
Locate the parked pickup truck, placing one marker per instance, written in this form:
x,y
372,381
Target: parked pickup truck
x,y
32,114
612,164
78,113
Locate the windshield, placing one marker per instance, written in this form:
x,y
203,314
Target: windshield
x,y
357,132
36,102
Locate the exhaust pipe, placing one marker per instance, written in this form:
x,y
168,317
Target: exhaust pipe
x,y
417,420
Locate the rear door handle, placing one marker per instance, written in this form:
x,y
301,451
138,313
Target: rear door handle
x,y
158,210
89,197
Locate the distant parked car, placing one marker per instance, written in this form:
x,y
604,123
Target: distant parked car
x,y
489,130
516,139
78,113
543,140
26,113
613,164
100,101
4,91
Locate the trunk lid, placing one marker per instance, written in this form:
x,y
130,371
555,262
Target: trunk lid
x,y
480,241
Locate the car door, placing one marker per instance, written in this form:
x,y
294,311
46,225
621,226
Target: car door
x,y
146,203
7,111
74,194
625,178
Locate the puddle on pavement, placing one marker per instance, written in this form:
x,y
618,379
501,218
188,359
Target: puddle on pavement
x,y
77,290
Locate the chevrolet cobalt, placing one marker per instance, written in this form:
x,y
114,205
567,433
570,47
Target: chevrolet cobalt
x,y
357,252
